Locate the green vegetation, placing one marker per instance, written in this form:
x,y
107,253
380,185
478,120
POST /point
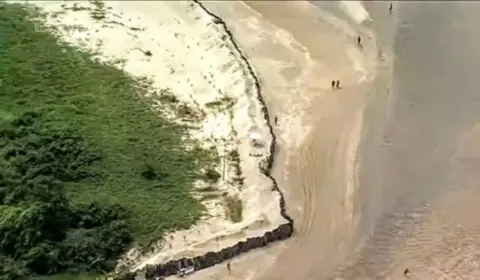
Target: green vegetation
x,y
225,101
234,157
41,231
71,277
98,13
85,166
207,189
212,175
234,208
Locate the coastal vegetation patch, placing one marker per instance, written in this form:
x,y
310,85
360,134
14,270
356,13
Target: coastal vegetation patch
x,y
86,166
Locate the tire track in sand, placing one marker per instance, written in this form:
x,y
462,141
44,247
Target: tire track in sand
x,y
318,165
309,194
296,69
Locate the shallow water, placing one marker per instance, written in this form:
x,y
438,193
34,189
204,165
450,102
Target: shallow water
x,y
419,179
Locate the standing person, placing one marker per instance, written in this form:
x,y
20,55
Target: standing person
x,y
359,41
337,84
276,120
390,7
406,272
333,84
229,268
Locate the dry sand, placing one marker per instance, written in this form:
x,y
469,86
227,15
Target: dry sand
x,y
178,47
297,50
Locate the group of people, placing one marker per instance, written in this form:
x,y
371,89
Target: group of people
x,y
336,83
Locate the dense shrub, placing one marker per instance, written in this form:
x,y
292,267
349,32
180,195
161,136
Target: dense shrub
x,y
149,173
41,232
74,181
212,175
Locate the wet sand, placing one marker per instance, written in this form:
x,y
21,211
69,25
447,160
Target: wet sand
x,y
415,174
423,162
385,166
296,55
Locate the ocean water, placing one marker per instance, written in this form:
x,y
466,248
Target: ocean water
x,y
419,187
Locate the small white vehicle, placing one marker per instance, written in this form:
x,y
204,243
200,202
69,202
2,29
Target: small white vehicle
x,y
185,271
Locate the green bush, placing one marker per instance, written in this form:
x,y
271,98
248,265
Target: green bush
x,y
75,135
106,108
149,173
40,231
212,175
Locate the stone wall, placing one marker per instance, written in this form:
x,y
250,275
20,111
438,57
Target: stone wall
x,y
284,231
212,258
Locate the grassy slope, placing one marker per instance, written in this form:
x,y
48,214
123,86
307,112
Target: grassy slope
x,y
70,277
102,104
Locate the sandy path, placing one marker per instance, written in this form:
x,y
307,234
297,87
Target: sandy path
x,y
318,130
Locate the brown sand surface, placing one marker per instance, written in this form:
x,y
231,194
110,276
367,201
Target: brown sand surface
x,y
296,56
423,164
412,188
417,200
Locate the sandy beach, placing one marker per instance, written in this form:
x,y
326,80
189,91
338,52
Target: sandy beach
x,y
190,57
319,128
296,50
379,173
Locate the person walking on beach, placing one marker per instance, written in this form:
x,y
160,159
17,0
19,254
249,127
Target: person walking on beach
x,y
333,84
229,268
337,84
276,120
390,7
406,272
359,41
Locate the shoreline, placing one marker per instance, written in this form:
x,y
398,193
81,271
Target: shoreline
x,y
312,214
257,138
319,129
281,232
